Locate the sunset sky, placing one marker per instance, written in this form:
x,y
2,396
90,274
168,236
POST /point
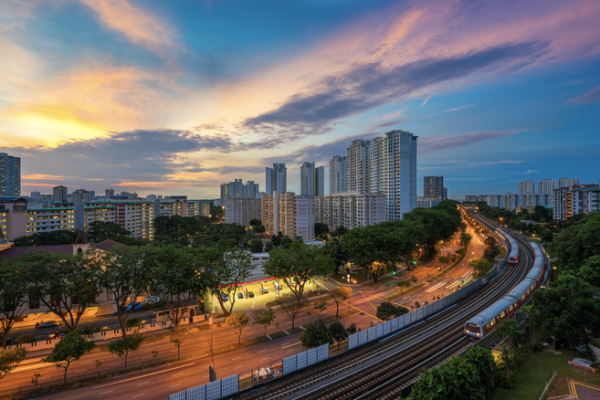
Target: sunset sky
x,y
176,97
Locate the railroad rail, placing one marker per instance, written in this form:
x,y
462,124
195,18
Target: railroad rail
x,y
383,368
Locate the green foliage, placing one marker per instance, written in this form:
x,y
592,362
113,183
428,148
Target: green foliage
x,y
10,359
388,310
321,231
71,348
315,335
351,328
47,238
134,323
298,264
465,239
13,294
444,259
579,241
129,344
568,311
339,232
257,246
216,213
127,274
268,247
481,266
469,377
100,231
64,283
178,336
264,317
238,321
291,304
336,251
337,331
320,305
25,339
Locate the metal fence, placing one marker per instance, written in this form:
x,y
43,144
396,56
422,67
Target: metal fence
x,y
210,391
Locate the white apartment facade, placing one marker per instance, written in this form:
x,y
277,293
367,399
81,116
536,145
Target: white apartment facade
x,y
350,209
289,214
242,210
337,174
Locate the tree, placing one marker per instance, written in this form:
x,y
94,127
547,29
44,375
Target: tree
x,y
25,339
444,259
340,294
351,328
339,232
336,251
47,238
101,230
291,304
127,344
465,239
66,284
10,359
268,247
337,331
255,223
127,273
298,264
321,231
579,241
315,335
480,265
229,270
13,295
71,348
590,272
320,305
547,236
217,213
568,311
177,277
388,310
257,246
178,336
238,321
263,316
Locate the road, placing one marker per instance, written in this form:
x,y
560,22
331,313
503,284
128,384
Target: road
x,y
159,383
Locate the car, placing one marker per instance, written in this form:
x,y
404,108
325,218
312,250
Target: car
x,y
251,294
137,307
152,299
265,290
61,335
224,297
129,307
54,335
240,295
48,324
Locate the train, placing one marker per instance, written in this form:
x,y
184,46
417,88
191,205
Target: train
x,y
489,319
514,254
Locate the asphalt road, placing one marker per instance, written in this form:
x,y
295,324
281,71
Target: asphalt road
x,y
159,383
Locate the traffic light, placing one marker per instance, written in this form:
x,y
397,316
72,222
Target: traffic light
x,y
212,375
394,273
414,262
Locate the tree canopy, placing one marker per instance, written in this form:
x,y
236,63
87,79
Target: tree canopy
x,y
47,238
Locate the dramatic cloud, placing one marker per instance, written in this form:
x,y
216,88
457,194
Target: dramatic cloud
x,y
593,96
371,85
431,144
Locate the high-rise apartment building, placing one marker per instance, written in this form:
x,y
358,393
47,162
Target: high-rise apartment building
x,y
445,196
527,186
276,178
312,180
576,199
546,186
151,197
252,190
393,170
81,196
357,166
337,174
242,210
10,175
433,187
350,209
59,194
108,193
291,215
35,195
232,189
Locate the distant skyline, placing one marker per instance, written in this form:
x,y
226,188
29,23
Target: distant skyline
x,y
178,97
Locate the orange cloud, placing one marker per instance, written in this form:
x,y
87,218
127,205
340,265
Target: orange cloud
x,y
44,177
139,26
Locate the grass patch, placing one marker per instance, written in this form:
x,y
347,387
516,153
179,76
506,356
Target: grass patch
x,y
537,368
405,292
277,335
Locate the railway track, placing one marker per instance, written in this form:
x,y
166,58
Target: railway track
x,y
381,369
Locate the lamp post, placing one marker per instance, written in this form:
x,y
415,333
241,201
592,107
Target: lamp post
x,y
584,387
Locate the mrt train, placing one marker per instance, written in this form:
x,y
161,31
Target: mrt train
x,y
514,254
488,320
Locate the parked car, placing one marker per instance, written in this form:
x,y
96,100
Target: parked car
x,y
137,307
152,299
48,324
265,290
251,294
240,295
54,335
61,335
224,297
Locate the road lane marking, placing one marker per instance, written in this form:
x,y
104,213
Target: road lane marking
x,y
175,385
138,395
143,383
181,373
265,359
261,351
143,376
110,391
146,357
289,351
435,287
360,310
238,367
237,358
285,347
